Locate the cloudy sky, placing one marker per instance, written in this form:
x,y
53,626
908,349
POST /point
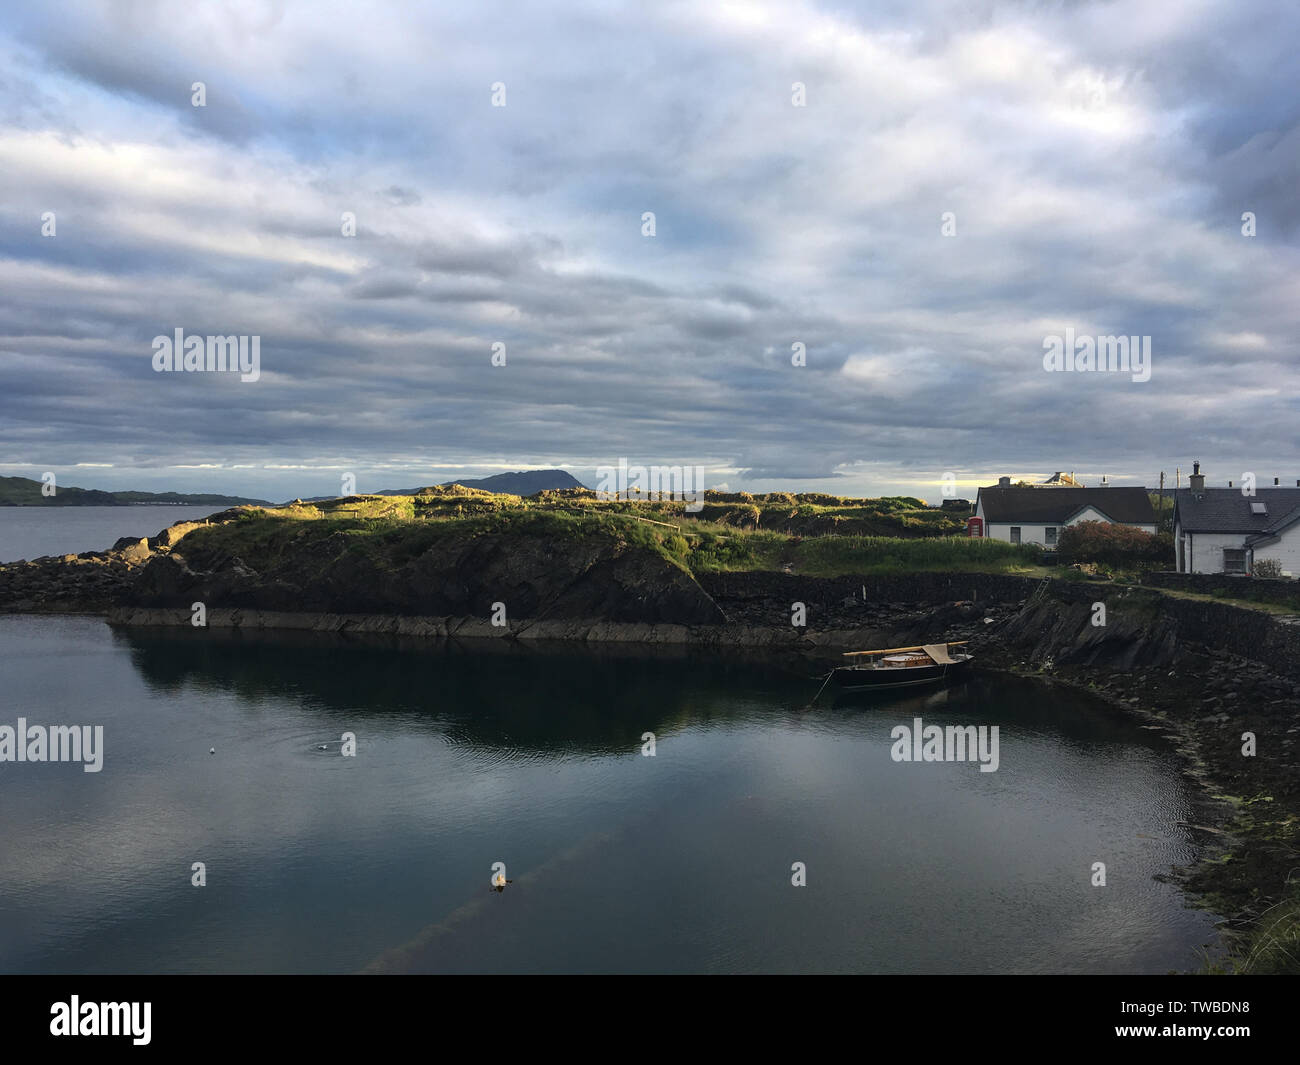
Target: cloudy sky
x,y
1095,160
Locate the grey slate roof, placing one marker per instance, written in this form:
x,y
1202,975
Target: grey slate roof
x,y
1226,510
1130,506
1283,522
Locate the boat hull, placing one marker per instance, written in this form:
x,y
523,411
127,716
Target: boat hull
x,y
869,678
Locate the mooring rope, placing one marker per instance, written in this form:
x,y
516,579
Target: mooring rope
x,y
823,687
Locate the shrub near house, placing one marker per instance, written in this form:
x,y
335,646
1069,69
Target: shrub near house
x,y
1114,545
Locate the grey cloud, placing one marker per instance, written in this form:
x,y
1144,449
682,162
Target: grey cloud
x,y
521,225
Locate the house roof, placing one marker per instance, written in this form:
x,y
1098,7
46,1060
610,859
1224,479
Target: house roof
x,y
1226,510
1271,533
1129,506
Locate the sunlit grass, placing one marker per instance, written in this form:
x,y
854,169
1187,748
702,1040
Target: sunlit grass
x,y
713,540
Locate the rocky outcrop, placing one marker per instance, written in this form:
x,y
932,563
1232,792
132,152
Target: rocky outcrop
x,y
567,584
449,581
461,577
1144,628
85,583
91,582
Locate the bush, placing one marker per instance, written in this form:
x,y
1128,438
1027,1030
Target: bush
x,y
714,552
1114,545
1267,567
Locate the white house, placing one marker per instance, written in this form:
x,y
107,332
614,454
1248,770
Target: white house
x,y
1220,530
1037,515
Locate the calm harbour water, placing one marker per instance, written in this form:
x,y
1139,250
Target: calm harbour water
x,y
30,532
473,754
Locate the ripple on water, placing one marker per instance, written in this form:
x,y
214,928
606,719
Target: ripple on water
x,y
299,744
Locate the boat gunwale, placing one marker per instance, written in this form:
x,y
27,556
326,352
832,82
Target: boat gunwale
x,y
929,663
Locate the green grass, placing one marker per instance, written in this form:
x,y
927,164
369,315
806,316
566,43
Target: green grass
x,y
835,555
378,528
1273,942
1248,604
394,529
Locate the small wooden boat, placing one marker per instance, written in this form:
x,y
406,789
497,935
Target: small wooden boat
x,y
903,667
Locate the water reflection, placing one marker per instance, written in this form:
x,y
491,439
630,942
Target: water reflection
x,y
491,751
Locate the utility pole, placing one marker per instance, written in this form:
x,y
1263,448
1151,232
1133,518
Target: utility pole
x,y
1162,501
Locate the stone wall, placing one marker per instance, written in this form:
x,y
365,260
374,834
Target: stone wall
x,y
1279,591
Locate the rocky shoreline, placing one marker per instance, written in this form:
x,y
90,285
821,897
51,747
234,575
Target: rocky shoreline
x,y
1208,676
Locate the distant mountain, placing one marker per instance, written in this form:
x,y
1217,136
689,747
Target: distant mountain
x,y
525,483
24,492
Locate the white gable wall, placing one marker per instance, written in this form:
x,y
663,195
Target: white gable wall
x,y
1089,514
1286,550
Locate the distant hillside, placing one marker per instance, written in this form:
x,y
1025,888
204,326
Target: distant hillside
x,y
24,492
525,483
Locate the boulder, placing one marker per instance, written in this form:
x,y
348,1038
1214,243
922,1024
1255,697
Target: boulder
x,y
132,549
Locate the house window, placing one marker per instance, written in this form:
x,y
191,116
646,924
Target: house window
x,y
1015,534
1049,537
1234,561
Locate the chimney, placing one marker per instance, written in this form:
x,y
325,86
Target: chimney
x,y
1196,482
1004,482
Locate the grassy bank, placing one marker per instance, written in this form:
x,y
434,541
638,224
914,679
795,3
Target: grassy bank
x,y
834,556
714,540
807,514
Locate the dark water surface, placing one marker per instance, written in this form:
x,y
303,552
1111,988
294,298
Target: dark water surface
x,y
473,754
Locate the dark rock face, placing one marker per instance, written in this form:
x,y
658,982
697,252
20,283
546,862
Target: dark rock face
x,y
533,578
1145,629
91,582
1065,634
898,609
